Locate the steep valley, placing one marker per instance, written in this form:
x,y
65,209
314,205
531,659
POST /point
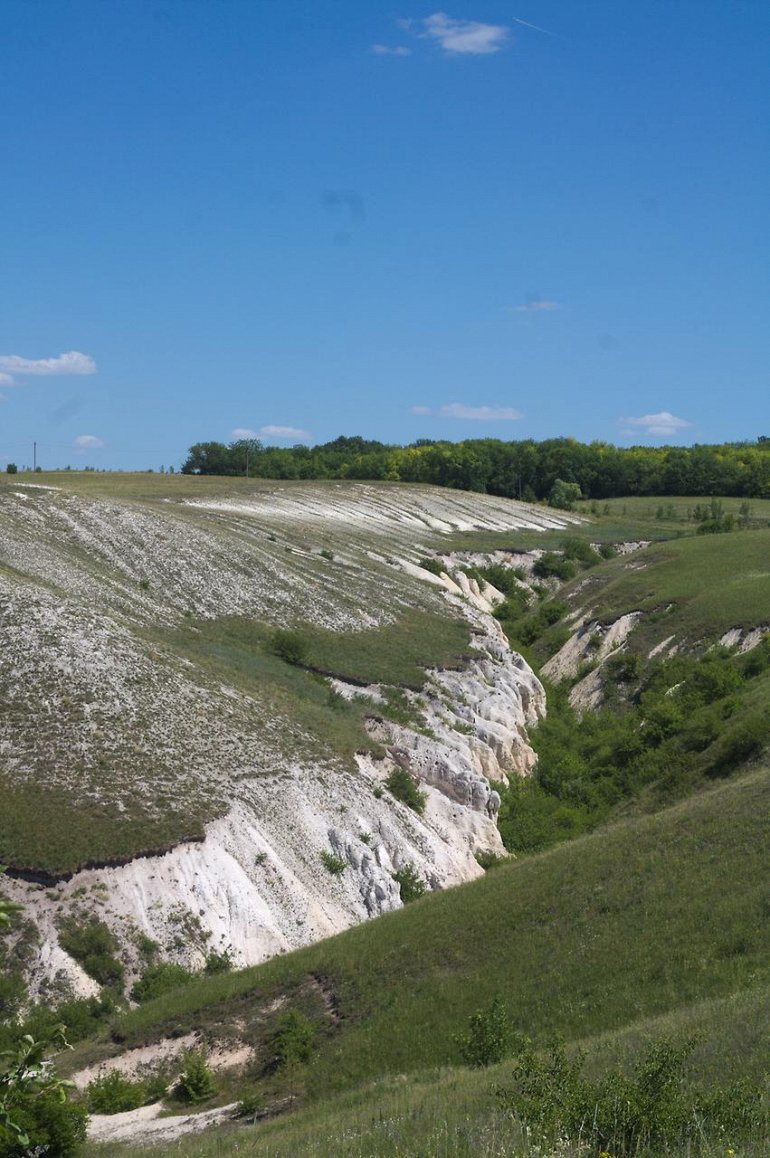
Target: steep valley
x,y
166,773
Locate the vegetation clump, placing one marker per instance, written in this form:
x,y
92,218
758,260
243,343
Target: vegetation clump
x,y
410,885
405,788
334,864
94,948
159,978
196,1081
489,1038
290,646
112,1092
649,1112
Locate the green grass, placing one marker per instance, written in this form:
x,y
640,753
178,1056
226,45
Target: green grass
x,y
44,831
616,521
641,920
238,651
654,927
695,589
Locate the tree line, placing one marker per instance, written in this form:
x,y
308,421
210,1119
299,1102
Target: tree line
x,y
524,469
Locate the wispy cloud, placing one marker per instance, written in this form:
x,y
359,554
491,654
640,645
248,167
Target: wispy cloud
x,y
243,432
472,413
662,425
284,432
71,363
536,306
460,37
88,442
386,50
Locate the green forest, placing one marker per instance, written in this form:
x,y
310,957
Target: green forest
x,y
525,469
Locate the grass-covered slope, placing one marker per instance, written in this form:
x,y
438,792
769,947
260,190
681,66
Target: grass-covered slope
x,y
139,687
648,919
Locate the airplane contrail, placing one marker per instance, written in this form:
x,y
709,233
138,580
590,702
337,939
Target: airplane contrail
x,y
536,28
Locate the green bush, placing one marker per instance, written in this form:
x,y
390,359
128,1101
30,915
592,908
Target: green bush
x,y
435,566
410,885
218,962
93,946
550,566
290,646
293,1040
196,1081
36,1115
489,1038
490,860
159,979
404,787
114,1093
11,468
336,865
651,1111
564,495
580,551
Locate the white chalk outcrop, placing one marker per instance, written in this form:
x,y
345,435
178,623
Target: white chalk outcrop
x,y
88,588
257,885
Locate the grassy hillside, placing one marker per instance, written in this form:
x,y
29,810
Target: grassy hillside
x,y
142,685
663,917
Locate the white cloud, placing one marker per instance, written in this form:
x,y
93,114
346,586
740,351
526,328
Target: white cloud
x,y
466,37
385,50
70,363
243,432
88,442
480,413
536,305
284,432
662,424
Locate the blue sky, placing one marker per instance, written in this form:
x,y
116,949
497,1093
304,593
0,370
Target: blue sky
x,y
307,218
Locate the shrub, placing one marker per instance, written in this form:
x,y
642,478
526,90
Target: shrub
x,y
11,468
435,566
404,787
159,979
114,1093
195,1082
410,885
489,1038
487,859
290,646
36,1116
218,962
93,946
293,1039
334,864
650,1111
551,565
607,550
564,495
580,551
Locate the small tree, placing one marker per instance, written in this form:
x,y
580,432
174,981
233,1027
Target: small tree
x,y
564,495
489,1038
292,1043
11,468
195,1082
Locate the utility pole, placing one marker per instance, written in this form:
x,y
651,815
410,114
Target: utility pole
x,y
34,456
